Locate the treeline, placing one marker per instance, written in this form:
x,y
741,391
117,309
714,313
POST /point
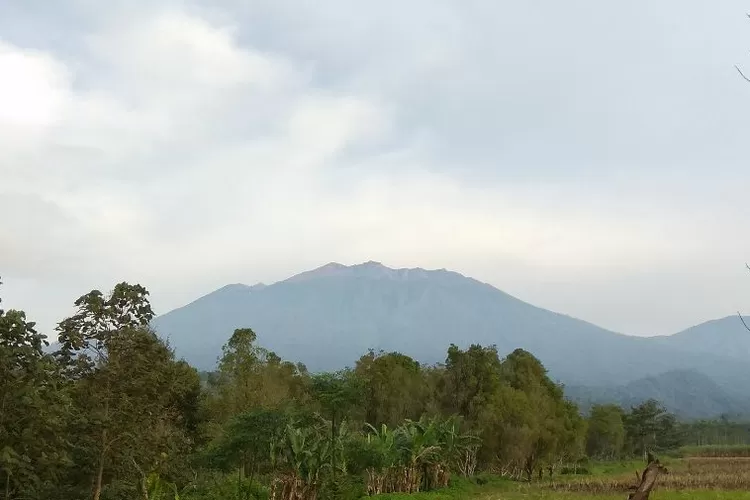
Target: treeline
x,y
113,415
716,433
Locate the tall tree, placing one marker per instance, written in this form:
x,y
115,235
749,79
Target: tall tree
x,y
250,376
33,409
336,393
133,399
606,432
555,429
649,427
86,336
524,420
472,377
393,387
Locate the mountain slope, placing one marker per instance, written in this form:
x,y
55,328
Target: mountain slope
x,y
686,393
724,337
328,317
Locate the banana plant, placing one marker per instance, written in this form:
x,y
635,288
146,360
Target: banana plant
x,y
158,489
459,449
301,456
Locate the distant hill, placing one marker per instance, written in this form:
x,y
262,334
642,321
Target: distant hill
x,y
330,316
725,337
686,393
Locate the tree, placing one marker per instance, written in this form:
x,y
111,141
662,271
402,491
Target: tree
x,y
525,422
649,426
151,419
85,337
606,432
393,387
33,410
571,437
507,426
250,376
249,443
133,400
555,429
237,384
336,394
471,379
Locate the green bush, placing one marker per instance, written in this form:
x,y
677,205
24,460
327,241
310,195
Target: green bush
x,y
225,487
342,488
580,471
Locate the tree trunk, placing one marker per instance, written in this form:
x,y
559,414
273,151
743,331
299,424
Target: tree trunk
x,y
103,449
529,467
99,473
239,480
144,488
100,467
333,445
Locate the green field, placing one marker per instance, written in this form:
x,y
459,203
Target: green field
x,y
688,478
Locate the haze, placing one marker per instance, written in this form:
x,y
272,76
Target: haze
x,y
585,156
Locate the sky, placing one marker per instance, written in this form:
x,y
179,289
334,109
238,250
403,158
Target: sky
x,y
585,156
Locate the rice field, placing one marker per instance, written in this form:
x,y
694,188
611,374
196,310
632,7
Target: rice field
x,y
731,451
707,473
699,478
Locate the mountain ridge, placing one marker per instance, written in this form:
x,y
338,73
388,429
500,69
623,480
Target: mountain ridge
x,y
727,336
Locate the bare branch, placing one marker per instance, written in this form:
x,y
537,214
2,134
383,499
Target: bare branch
x,y
743,322
741,73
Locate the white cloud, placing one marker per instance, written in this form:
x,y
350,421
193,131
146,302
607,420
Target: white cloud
x,y
186,150
30,88
172,55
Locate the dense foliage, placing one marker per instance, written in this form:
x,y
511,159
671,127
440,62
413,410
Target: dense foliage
x,y
111,414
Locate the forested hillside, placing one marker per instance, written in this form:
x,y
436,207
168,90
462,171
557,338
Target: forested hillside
x,y
686,393
112,414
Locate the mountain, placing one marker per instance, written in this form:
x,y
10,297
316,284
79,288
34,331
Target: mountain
x,y
725,337
686,393
330,316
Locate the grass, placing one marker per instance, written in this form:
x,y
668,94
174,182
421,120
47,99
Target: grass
x,y
459,489
695,478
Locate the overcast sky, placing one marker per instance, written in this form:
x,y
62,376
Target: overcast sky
x,y
589,157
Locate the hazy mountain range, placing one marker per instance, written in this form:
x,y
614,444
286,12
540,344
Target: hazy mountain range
x,y
330,316
687,393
